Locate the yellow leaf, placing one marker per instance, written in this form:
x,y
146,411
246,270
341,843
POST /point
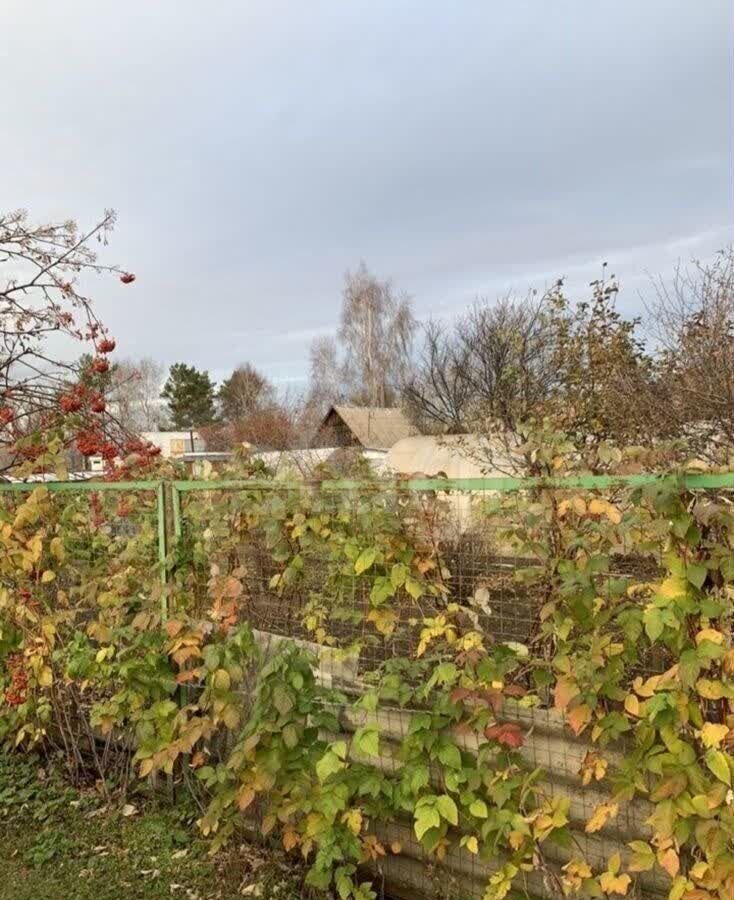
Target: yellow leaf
x,y
596,507
291,838
604,508
45,677
384,620
575,872
578,718
564,691
576,504
646,688
698,870
396,847
613,514
601,815
57,549
632,705
593,767
713,734
673,588
48,576
221,680
516,839
472,844
352,818
245,797
710,690
615,884
710,634
669,860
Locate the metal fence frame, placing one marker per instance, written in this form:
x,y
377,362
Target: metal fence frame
x,y
91,487
169,493
500,484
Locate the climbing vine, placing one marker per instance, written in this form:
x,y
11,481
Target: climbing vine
x,y
398,717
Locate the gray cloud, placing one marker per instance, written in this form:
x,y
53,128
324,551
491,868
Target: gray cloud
x,y
256,150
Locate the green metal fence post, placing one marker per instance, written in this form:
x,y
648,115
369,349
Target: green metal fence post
x,y
692,481
162,544
176,509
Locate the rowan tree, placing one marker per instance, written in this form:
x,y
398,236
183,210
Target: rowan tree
x,y
44,315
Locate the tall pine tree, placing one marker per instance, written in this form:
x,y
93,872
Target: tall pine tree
x,y
190,397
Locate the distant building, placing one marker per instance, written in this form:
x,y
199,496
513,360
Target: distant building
x,y
456,456
174,444
365,427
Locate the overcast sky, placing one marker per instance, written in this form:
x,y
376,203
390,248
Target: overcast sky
x,y
256,149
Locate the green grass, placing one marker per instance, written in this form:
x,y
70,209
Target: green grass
x,y
58,844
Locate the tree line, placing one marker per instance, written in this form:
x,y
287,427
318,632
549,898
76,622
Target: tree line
x,y
577,365
552,360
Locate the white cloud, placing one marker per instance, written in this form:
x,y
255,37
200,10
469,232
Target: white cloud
x,y
255,151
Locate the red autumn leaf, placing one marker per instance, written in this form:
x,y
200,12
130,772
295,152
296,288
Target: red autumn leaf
x,y
127,278
492,698
515,690
508,734
459,694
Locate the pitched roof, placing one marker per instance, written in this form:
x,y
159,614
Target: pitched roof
x,y
375,427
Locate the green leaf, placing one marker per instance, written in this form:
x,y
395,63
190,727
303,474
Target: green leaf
x,y
290,736
398,574
414,588
367,740
426,817
689,667
330,763
718,763
654,624
343,883
365,560
282,699
369,700
479,809
642,858
446,673
696,574
450,756
419,779
446,806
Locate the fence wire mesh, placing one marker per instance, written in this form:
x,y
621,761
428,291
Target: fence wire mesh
x,y
96,521
356,574
302,557
483,549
